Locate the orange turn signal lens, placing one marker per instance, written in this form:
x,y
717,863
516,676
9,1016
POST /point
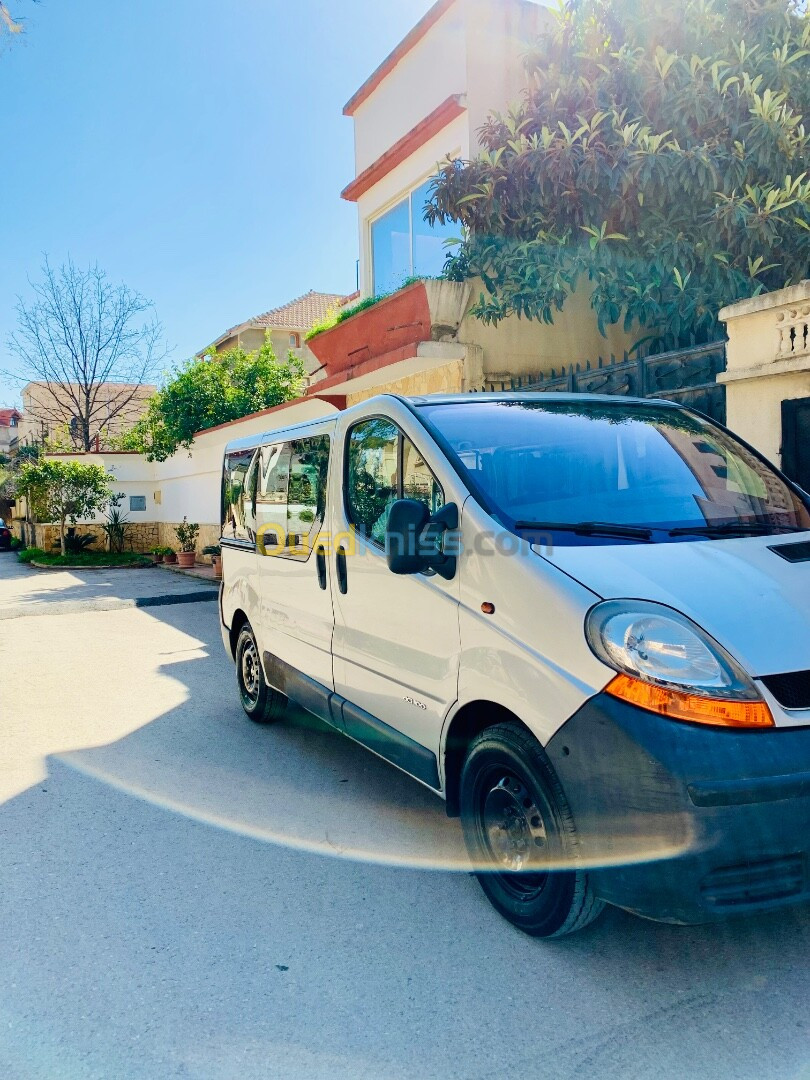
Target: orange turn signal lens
x,y
681,705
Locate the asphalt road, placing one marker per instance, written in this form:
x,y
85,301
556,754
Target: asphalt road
x,y
183,894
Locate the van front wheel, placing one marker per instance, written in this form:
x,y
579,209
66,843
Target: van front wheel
x,y
261,702
520,835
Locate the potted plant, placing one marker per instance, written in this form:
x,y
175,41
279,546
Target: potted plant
x,y
187,533
156,554
169,555
215,551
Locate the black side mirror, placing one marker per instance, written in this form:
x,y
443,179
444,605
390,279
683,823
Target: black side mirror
x,y
413,538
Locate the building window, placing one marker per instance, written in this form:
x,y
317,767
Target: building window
x,y
295,341
403,245
137,502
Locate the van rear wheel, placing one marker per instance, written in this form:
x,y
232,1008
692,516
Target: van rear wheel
x,y
261,702
520,835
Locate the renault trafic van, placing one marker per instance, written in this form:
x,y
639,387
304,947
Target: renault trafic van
x,y
583,622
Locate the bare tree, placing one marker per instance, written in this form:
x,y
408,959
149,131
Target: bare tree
x,y
89,346
9,24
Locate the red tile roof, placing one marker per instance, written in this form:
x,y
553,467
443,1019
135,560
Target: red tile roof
x,y
6,416
299,314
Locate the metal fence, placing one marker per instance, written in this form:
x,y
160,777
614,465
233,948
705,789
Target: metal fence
x,y
687,376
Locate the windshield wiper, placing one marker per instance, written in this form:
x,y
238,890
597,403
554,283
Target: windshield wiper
x,y
732,528
590,528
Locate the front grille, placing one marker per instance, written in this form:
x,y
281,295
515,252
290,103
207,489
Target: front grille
x,y
754,883
791,690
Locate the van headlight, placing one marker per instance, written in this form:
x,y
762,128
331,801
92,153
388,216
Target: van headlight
x,y
667,664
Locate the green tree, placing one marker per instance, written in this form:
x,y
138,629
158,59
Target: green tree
x,y
659,153
213,390
64,491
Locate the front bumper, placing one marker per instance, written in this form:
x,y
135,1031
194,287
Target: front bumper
x,y
684,823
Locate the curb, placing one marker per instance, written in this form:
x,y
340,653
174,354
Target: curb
x,y
74,607
96,566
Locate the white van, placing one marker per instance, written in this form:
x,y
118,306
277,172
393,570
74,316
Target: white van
x,y
583,622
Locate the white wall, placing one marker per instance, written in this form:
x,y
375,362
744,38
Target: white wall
x,y
133,474
188,483
435,68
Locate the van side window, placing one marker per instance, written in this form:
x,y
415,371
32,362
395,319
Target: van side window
x,y
237,496
373,447
306,500
376,448
291,496
271,497
418,482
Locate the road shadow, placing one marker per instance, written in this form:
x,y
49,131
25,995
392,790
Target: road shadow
x,y
296,782
141,942
26,590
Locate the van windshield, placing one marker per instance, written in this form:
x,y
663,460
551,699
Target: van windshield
x,y
659,471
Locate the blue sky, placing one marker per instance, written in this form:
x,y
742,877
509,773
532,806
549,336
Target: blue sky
x,y
195,149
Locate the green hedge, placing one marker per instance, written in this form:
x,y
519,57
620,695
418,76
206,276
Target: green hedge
x,y
83,558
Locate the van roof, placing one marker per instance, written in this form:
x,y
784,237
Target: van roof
x,y
531,395
248,442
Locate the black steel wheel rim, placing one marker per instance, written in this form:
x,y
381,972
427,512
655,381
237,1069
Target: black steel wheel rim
x,y
516,830
249,672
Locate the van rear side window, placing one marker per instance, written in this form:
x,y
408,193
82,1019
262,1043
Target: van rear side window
x,y
237,496
291,496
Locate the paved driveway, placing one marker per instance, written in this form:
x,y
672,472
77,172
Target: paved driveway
x,y
183,894
25,590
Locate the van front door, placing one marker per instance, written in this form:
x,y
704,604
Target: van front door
x,y
396,644
292,566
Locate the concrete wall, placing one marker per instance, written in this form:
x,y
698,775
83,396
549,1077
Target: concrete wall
x,y
523,347
767,362
498,35
186,485
447,379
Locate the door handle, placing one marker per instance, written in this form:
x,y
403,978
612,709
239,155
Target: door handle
x,y
320,565
340,564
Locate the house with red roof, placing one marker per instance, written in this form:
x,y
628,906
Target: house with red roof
x,y
9,429
287,325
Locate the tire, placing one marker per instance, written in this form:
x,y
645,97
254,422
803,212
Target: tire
x,y
516,823
261,702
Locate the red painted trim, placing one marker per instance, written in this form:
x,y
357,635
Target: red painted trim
x,y
413,37
404,352
431,125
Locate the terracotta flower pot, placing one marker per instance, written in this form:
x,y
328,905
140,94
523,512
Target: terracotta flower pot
x,y
155,557
170,557
422,311
216,562
185,559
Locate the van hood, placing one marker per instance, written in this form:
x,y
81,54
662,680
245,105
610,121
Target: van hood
x,y
747,597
